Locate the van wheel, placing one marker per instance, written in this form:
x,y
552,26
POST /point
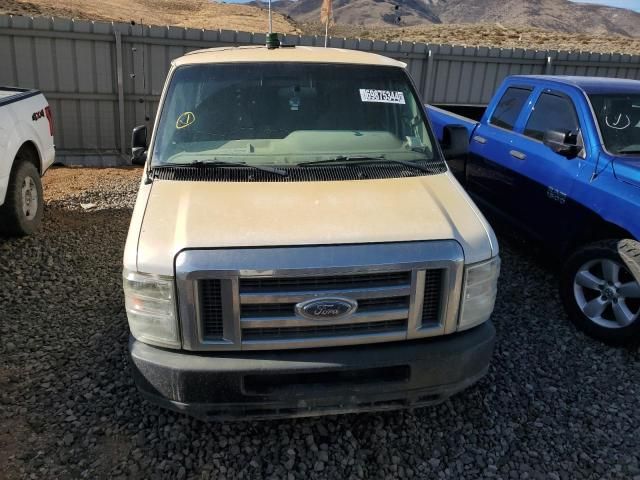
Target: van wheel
x,y
600,294
21,213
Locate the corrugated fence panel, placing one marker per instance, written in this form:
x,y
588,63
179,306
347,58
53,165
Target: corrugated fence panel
x,y
77,64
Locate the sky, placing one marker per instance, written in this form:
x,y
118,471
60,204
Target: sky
x,y
632,4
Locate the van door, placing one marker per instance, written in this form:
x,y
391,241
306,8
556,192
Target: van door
x,y
545,178
490,176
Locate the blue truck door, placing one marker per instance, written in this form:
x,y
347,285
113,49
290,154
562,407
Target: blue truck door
x,y
545,178
490,168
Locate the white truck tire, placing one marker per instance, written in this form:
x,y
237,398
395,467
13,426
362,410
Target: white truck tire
x,y
21,213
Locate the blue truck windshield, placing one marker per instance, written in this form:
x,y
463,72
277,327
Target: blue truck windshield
x,y
619,120
289,113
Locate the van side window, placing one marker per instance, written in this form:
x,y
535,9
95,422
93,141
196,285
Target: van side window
x,y
509,107
551,112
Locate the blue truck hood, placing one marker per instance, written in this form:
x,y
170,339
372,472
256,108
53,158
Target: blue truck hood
x,y
627,169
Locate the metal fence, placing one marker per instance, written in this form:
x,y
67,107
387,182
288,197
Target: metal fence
x,y
102,79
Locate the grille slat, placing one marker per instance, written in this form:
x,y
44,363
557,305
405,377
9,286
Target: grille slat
x,y
260,310
291,333
334,282
211,308
322,173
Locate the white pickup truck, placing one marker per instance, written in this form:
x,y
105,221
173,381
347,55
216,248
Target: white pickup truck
x,y
26,151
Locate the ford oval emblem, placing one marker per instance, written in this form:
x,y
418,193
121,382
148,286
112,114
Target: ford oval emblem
x,y
326,308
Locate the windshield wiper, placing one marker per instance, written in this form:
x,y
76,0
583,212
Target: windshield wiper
x,y
348,161
342,159
221,163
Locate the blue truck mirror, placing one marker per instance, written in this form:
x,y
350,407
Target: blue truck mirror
x,y
562,143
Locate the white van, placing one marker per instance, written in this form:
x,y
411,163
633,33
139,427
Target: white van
x,y
298,244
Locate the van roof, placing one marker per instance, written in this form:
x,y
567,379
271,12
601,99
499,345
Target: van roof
x,y
303,54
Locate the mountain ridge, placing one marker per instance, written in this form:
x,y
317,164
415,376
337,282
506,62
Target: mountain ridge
x,y
555,15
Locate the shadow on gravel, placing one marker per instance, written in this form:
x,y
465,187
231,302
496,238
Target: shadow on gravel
x,y
555,404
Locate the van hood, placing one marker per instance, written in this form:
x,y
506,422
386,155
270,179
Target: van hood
x,y
627,169
181,215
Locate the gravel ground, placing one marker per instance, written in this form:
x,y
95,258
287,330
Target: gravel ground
x,y
555,405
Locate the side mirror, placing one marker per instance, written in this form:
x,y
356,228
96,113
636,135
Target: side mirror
x,y
455,141
562,143
139,145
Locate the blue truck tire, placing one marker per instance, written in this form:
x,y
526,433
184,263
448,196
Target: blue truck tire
x,y
600,289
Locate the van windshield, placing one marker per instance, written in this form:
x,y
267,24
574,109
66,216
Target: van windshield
x,y
619,120
289,113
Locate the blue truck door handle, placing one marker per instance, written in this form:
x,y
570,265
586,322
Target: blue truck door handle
x,y
517,154
480,139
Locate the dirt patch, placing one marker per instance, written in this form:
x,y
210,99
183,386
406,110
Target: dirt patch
x,y
111,450
183,13
43,9
62,183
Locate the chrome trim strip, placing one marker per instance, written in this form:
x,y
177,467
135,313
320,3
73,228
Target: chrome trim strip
x,y
295,297
275,322
230,310
313,260
229,265
417,297
450,298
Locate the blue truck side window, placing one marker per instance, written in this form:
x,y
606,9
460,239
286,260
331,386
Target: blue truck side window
x,y
509,107
551,112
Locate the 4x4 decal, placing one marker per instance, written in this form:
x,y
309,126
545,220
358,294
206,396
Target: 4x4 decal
x,y
45,112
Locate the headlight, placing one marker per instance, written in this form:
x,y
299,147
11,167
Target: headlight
x,y
479,293
151,309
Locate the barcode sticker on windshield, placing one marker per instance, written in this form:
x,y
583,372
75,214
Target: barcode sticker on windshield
x,y
381,96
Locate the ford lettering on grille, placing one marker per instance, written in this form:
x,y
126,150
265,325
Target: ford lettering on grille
x,y
326,308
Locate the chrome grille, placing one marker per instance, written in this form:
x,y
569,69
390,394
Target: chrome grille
x,y
267,306
245,298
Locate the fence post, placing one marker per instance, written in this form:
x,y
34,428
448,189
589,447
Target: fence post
x,y
427,77
548,69
120,83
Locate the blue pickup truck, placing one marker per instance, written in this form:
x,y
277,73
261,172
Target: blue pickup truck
x,y
559,158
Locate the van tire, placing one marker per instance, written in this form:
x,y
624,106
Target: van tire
x,y
600,292
21,213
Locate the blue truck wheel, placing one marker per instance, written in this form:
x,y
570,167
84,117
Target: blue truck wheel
x,y
601,293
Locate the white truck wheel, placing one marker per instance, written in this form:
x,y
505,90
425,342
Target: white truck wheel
x,y
21,213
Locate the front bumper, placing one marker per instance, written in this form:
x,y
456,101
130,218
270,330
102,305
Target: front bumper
x,y
291,383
